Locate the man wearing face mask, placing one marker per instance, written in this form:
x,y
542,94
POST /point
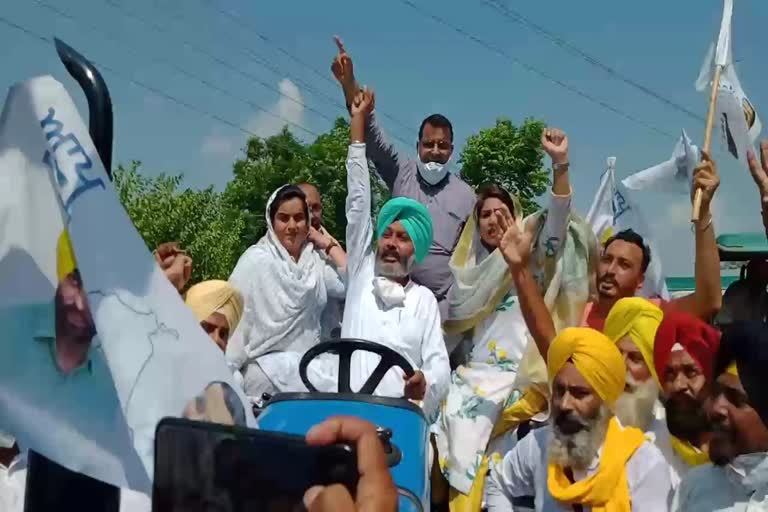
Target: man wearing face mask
x,y
427,179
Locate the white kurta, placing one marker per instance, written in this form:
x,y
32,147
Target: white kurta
x,y
412,329
13,480
741,486
523,473
658,434
13,483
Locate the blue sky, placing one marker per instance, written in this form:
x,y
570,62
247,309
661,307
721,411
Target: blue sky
x,y
417,67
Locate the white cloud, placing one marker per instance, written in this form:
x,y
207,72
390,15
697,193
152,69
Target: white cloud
x,y
289,108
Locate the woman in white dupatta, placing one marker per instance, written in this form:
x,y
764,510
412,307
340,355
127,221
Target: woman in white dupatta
x,y
484,309
285,285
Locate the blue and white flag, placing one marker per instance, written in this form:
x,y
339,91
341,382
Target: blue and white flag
x,y
97,345
739,122
612,211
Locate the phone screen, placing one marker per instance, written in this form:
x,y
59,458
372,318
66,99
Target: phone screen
x,y
50,486
207,467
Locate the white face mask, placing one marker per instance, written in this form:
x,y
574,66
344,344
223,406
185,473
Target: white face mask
x,y
433,172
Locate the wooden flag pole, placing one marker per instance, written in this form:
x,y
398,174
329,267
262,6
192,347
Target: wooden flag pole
x,y
707,138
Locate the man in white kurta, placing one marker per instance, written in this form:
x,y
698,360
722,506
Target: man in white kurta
x,y
403,318
585,458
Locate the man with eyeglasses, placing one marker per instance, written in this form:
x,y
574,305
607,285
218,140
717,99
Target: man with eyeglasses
x,y
426,179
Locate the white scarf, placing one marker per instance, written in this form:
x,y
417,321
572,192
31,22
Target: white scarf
x,y
284,299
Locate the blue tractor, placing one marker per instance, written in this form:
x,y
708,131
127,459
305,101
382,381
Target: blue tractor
x,y
401,424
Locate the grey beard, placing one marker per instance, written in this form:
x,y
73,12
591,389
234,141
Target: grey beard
x,y
580,449
635,409
397,270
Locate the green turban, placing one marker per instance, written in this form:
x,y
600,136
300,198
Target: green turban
x,y
415,219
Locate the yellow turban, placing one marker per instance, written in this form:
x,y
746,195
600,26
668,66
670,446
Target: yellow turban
x,y
210,297
596,358
65,257
639,319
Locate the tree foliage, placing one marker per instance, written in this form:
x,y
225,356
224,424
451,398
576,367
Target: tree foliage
x,y
509,156
198,219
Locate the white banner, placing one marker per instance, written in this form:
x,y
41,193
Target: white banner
x,y
740,124
674,175
612,211
86,386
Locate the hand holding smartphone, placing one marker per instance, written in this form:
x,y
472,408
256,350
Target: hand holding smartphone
x,y
209,467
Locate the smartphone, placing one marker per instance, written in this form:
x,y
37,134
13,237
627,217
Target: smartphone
x,y
202,466
51,486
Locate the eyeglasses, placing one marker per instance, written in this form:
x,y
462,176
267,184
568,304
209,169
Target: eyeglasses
x,y
442,145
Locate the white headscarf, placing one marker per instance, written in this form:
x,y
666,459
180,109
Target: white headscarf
x,y
284,298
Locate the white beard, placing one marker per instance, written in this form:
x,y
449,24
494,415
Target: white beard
x,y
634,408
580,449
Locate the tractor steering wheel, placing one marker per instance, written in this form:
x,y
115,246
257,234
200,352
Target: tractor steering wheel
x,y
345,347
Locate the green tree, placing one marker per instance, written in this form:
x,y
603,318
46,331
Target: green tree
x,y
198,219
509,156
272,162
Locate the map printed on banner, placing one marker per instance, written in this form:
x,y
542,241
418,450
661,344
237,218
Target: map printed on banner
x,y
98,345
612,211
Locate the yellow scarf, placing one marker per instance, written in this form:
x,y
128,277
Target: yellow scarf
x,y
689,453
607,490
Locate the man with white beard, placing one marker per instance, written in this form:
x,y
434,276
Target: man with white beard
x,y
632,324
585,460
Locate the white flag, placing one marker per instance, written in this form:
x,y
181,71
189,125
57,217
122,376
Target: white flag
x,y
612,211
673,175
740,125
83,386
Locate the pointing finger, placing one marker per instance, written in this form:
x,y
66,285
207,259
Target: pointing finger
x,y
339,44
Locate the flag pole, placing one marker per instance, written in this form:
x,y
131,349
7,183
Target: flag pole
x,y
695,214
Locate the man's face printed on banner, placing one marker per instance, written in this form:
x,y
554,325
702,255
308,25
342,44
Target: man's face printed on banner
x,y
74,323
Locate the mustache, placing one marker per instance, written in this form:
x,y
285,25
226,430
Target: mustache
x,y
607,278
570,423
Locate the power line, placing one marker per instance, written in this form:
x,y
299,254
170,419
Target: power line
x,y
535,70
142,85
184,72
516,17
323,75
219,61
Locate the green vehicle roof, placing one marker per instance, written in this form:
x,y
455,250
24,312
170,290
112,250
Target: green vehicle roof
x,y
685,284
742,246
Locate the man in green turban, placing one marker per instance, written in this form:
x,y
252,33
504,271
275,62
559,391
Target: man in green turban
x,y
384,304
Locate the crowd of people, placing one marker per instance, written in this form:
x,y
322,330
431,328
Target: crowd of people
x,y
548,381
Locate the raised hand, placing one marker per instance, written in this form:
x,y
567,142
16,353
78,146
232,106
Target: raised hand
x,y
515,245
555,143
363,103
759,171
706,179
342,67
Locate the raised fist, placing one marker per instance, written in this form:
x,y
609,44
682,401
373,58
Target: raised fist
x,y
555,143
